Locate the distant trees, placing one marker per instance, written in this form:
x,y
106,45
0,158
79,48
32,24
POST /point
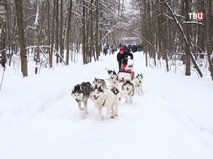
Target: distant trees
x,y
59,30
170,33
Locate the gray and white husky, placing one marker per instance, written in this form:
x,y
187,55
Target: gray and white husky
x,y
106,98
99,83
113,78
138,83
127,91
81,93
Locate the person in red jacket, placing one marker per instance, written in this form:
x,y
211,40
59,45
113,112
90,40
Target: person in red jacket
x,y
122,57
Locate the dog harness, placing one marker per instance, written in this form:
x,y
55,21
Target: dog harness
x,y
103,103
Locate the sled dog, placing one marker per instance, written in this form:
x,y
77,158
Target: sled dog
x,y
99,83
105,98
113,78
117,94
81,93
138,83
127,91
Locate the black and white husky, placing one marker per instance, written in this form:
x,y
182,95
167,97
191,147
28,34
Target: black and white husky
x,y
113,78
81,93
127,91
138,83
99,83
106,98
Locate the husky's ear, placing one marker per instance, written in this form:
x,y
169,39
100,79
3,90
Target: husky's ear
x,y
100,89
80,88
76,87
128,81
92,89
96,87
88,84
109,71
83,83
114,72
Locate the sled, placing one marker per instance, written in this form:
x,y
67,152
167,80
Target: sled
x,y
126,73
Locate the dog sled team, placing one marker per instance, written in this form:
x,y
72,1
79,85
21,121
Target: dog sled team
x,y
110,97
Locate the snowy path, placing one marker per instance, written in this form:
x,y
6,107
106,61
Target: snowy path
x,y
171,120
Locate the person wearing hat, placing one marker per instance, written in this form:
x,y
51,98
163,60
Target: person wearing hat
x,y
122,57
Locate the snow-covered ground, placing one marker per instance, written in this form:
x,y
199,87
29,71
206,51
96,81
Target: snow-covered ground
x,y
39,119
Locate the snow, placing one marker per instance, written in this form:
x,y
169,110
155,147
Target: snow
x,y
40,120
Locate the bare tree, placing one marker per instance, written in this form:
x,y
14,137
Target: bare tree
x,y
57,30
20,25
3,33
209,34
61,39
188,51
106,22
52,35
168,32
68,31
84,32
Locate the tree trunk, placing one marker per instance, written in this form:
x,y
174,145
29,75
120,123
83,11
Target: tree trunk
x,y
48,28
164,36
187,32
100,31
57,30
68,31
37,52
3,33
61,32
209,34
84,33
87,32
201,30
52,35
20,25
97,50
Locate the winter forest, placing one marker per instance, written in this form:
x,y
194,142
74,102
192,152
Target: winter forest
x,y
59,30
64,94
